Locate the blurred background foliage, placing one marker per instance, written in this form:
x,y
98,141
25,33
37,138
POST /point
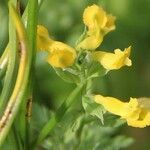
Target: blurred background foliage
x,y
64,21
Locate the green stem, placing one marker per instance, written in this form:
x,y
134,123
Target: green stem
x,y
27,115
3,62
3,70
4,57
11,68
89,87
56,118
32,34
17,139
8,60
24,71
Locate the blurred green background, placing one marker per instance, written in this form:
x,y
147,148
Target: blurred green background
x,y
63,18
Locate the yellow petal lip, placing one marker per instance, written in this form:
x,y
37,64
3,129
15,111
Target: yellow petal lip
x,y
94,15
142,121
112,61
135,112
61,55
110,24
43,39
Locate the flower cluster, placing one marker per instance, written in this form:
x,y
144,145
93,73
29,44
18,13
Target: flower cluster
x,y
98,24
60,55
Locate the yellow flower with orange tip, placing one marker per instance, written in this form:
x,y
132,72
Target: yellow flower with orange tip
x,y
43,40
111,61
61,55
136,111
98,23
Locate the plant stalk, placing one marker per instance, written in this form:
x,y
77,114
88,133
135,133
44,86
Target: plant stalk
x,y
57,117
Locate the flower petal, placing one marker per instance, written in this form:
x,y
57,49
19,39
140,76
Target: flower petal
x,y
43,40
112,105
94,15
110,24
91,42
112,61
61,55
143,121
144,102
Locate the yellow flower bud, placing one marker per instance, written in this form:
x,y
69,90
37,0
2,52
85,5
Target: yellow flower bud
x,y
116,60
136,112
43,40
61,55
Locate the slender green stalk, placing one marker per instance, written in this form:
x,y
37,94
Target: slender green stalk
x,y
18,92
11,68
3,62
32,34
3,70
24,70
8,61
4,58
56,118
17,139
89,87
32,26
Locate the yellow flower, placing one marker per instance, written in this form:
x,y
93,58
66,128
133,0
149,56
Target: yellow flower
x,y
98,23
43,40
114,60
61,55
136,111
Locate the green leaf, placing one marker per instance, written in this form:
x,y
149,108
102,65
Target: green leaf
x,y
93,108
115,143
112,120
68,75
95,69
